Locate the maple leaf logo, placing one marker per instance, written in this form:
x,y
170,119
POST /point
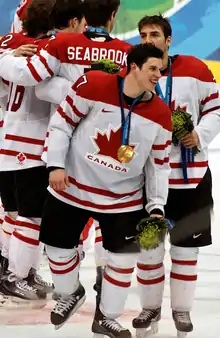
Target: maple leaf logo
x,y
173,106
108,142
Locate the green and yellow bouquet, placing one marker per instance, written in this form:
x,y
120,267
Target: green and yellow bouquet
x,y
106,66
151,232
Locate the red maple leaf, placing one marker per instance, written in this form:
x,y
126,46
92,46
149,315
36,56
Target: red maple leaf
x,y
109,143
174,107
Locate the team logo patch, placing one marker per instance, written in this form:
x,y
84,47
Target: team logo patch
x,y
21,158
106,144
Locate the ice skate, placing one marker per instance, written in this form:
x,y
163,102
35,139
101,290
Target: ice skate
x,y
66,307
18,293
183,323
103,326
147,319
37,282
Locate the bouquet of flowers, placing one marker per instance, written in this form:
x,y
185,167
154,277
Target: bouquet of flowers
x,y
106,66
182,124
151,232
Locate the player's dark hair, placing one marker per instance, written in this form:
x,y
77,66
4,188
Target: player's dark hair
x,y
98,12
66,10
38,20
139,54
158,20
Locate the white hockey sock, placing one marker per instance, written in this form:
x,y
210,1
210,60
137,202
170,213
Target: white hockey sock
x,y
8,226
2,216
64,267
116,283
183,277
99,251
80,246
24,245
151,277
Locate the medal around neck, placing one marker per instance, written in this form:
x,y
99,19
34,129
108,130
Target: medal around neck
x,y
125,154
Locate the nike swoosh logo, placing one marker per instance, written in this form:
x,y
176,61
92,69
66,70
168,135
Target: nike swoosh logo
x,y
196,236
127,238
106,111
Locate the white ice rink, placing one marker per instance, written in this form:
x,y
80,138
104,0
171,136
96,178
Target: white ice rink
x,y
206,312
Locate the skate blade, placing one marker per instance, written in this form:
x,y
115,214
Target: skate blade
x,y
79,304
9,302
147,332
181,334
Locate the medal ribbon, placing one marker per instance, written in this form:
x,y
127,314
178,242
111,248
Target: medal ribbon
x,y
97,30
187,155
126,122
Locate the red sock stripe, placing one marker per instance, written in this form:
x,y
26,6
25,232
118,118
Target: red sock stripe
x,y
98,239
9,220
26,239
71,268
1,221
116,282
149,267
186,278
151,281
62,263
97,228
175,261
121,270
81,242
28,225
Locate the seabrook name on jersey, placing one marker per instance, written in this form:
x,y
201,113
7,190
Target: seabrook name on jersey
x,y
95,54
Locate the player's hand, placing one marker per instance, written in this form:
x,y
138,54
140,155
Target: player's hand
x,y
156,215
58,180
190,140
25,50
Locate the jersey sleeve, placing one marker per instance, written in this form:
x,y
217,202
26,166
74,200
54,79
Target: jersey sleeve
x,y
32,70
63,123
53,90
209,120
157,170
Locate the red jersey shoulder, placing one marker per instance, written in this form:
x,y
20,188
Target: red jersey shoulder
x,y
122,45
157,111
22,9
190,66
88,86
15,40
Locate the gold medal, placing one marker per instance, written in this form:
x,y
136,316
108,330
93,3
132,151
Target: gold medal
x,y
125,154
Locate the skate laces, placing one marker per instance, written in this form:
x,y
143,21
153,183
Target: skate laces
x,y
23,285
112,324
146,314
182,316
63,305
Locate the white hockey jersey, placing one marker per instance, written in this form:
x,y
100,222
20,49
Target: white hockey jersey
x,y
194,89
19,16
85,135
26,119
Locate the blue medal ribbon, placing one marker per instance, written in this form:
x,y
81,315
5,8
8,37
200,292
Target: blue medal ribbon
x,y
126,122
187,155
97,30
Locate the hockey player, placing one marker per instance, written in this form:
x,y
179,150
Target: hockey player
x,y
70,57
20,16
187,83
24,177
97,168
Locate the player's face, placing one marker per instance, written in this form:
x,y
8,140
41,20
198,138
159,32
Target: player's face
x,y
149,74
155,35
